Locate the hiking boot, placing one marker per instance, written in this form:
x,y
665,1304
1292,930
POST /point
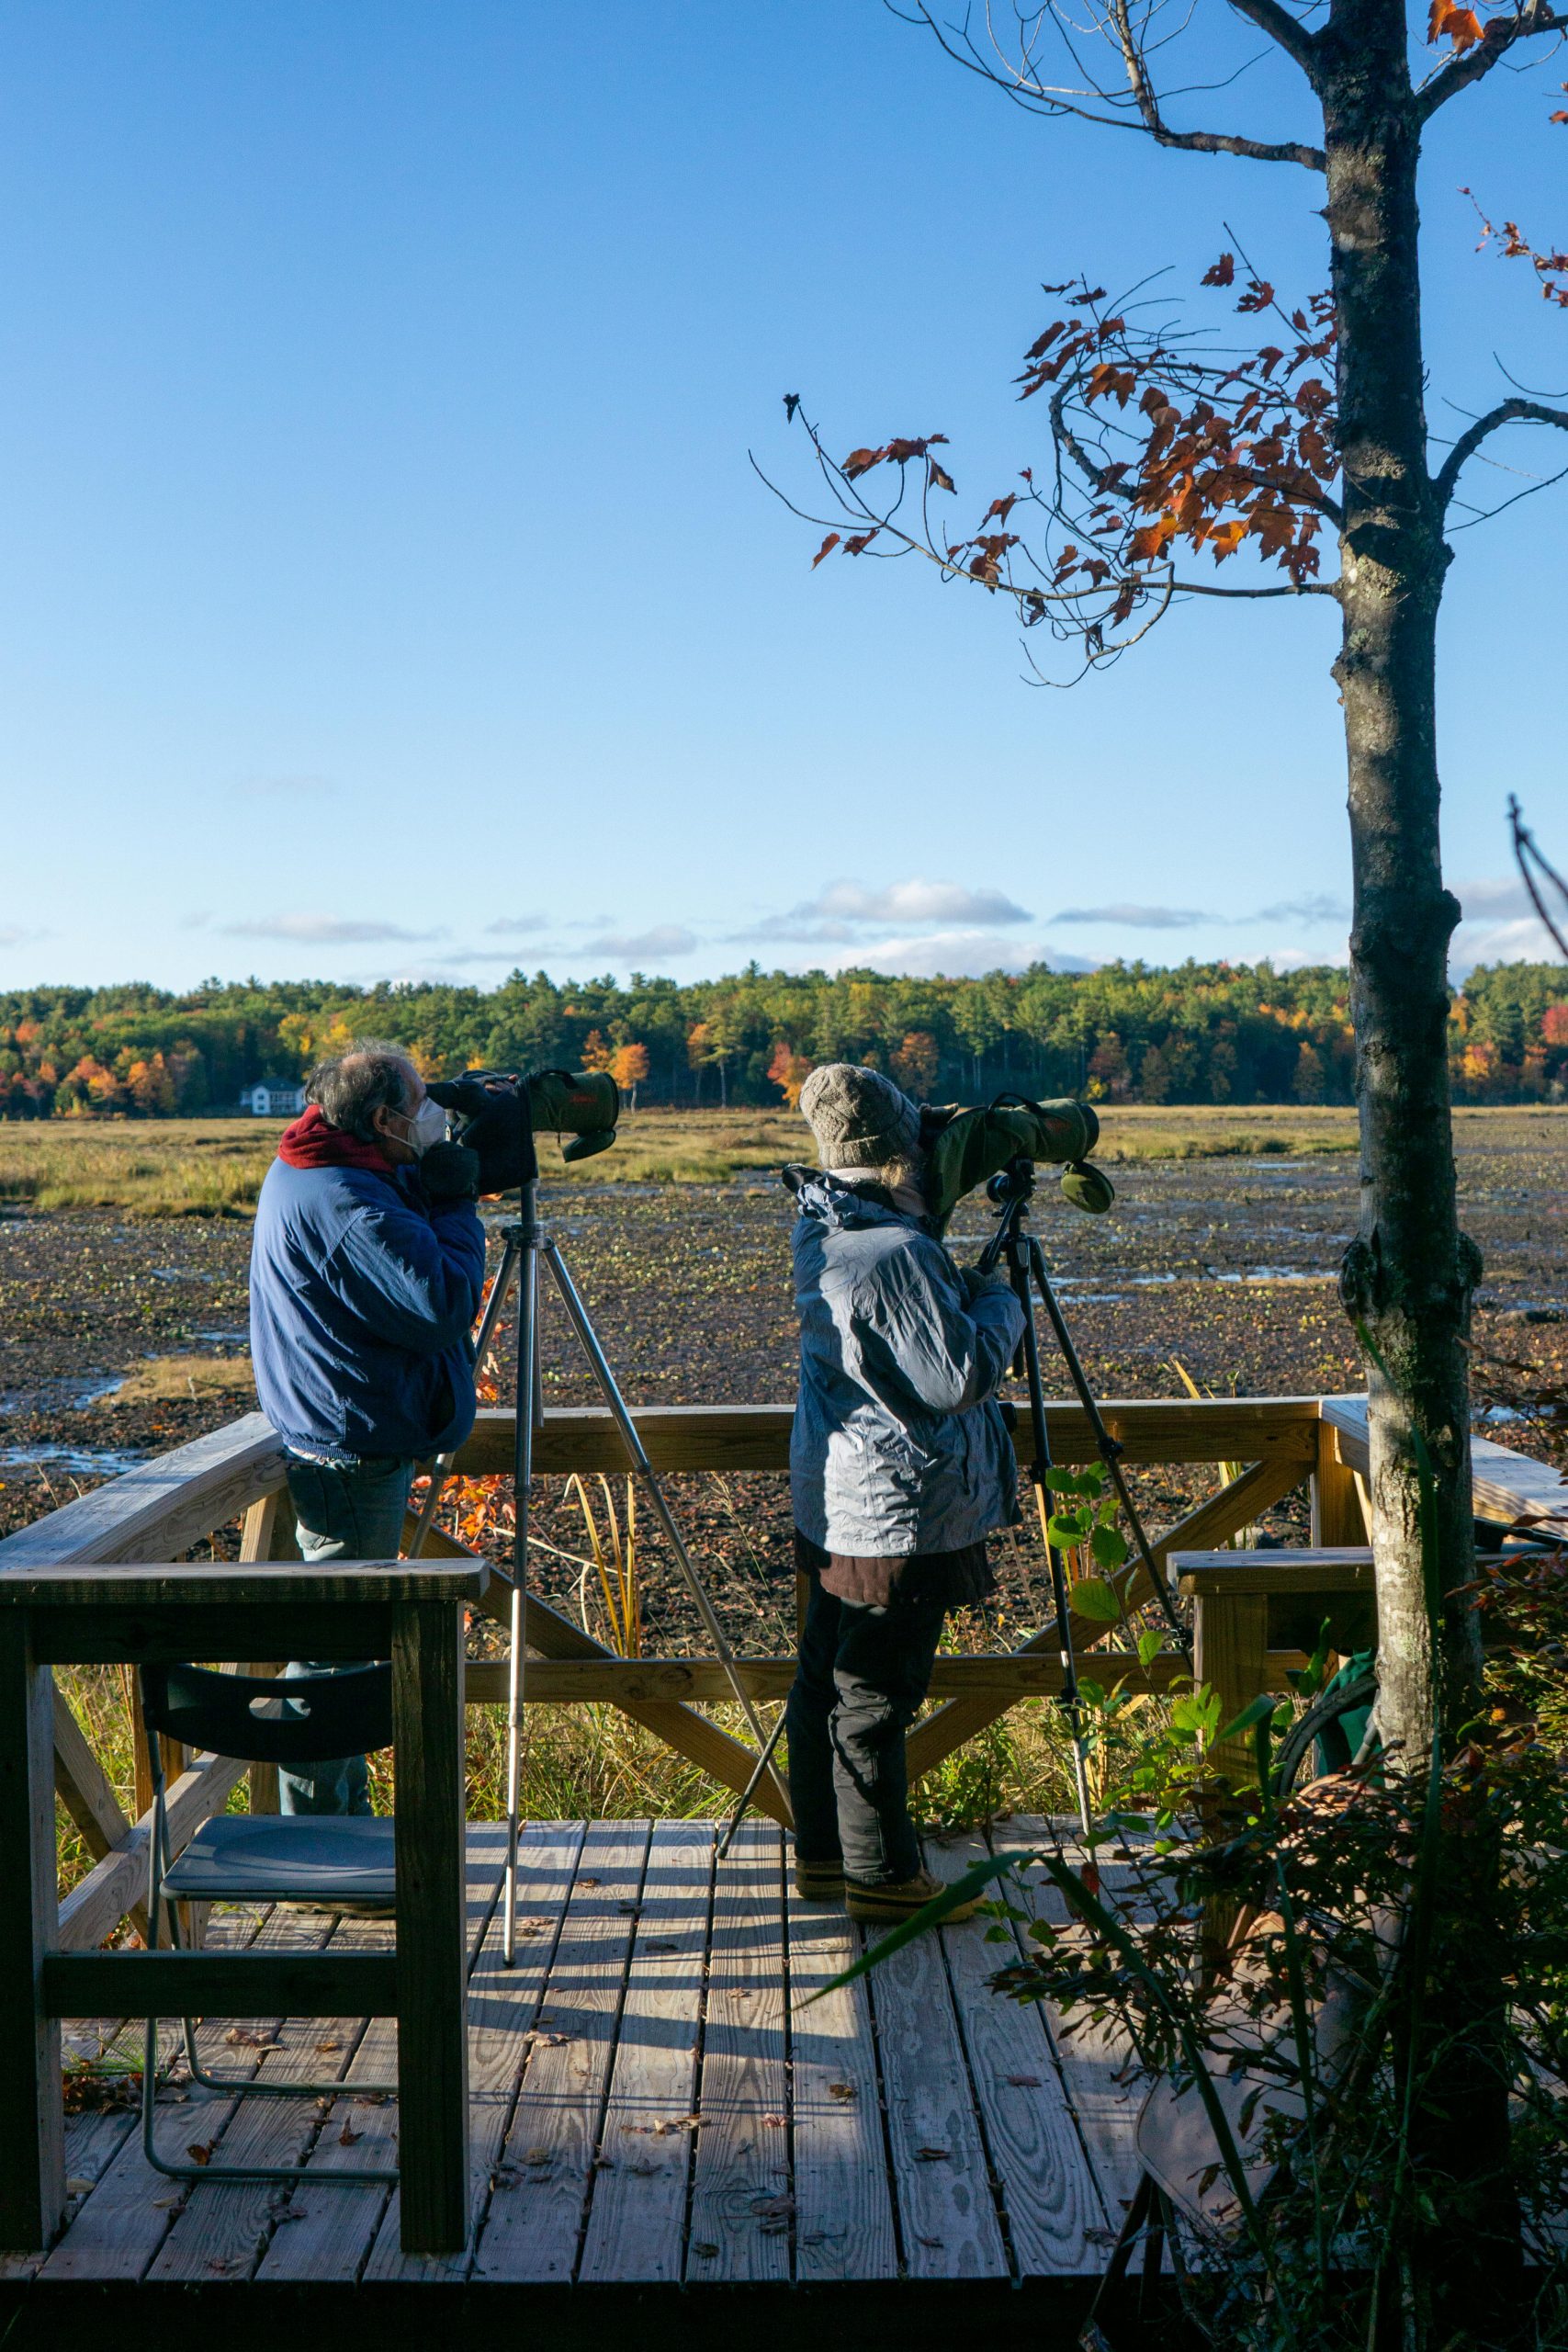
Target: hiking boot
x,y
886,1906
820,1882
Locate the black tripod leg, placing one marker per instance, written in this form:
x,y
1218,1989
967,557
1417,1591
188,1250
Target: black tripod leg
x,y
1018,1262
1106,1445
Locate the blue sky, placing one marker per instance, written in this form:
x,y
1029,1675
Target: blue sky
x,y
387,593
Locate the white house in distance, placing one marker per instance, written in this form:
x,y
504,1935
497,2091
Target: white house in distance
x,y
274,1098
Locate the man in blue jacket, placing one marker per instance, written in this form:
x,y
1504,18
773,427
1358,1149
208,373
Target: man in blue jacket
x,y
366,1275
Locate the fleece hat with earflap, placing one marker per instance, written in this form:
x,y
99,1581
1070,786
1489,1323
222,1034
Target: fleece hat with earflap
x,y
859,1118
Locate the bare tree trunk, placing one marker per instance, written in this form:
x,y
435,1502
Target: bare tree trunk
x,y
1410,1272
1409,1275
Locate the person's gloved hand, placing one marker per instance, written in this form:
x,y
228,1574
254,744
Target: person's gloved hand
x,y
974,1282
491,1110
450,1171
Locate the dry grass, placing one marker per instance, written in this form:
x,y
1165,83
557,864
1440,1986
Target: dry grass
x,y
215,1167
138,1166
162,1377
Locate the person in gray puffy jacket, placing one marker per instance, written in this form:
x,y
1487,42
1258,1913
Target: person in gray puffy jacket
x,y
900,1466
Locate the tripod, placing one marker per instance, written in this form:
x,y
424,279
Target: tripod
x,y
527,1246
1013,1189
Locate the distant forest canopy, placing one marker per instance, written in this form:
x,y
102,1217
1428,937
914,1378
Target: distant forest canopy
x,y
1127,1033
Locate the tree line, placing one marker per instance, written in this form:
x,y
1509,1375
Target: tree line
x,y
1128,1033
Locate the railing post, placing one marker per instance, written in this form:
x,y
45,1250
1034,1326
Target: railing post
x,y
1337,1519
32,2138
432,2023
1230,1654
268,1534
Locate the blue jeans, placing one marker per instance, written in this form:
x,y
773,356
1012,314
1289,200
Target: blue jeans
x,y
355,1512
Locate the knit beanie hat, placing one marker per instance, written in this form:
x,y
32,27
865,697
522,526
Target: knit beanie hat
x,y
859,1118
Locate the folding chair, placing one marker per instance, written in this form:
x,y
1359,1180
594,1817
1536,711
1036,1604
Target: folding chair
x,y
327,1861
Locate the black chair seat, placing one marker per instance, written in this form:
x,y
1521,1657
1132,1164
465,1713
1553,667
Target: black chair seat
x,y
323,1859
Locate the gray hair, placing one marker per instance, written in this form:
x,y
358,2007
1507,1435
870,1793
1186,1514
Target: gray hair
x,y
372,1076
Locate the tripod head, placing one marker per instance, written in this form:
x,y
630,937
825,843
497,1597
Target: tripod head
x,y
1013,1189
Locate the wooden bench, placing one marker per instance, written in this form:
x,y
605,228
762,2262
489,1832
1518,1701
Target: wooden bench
x,y
409,1612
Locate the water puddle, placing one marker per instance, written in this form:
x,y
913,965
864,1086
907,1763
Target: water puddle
x,y
85,1461
62,1396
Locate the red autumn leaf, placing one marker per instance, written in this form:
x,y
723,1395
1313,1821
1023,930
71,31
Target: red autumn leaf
x,y
860,541
1227,537
1000,509
1260,295
937,477
829,544
861,461
1222,273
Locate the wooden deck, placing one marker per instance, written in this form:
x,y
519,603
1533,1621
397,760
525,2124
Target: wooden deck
x,y
656,2104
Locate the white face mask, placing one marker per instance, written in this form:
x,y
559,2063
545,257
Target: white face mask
x,y
427,1126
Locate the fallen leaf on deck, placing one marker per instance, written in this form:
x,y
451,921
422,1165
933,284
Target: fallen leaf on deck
x,y
702,2247
1025,2082
322,2047
588,1882
933,2155
200,2151
346,2138
78,2188
241,2037
841,2090
774,2122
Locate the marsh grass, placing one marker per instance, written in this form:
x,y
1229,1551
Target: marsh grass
x,y
177,1168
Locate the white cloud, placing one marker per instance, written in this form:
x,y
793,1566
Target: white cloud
x,y
1525,940
918,901
516,926
664,939
324,930
955,954
1319,907
15,934
1492,896
1135,918
845,912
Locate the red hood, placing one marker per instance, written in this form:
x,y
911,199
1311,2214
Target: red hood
x,y
311,1142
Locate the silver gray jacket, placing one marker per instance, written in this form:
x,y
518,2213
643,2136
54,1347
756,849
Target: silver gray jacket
x,y
897,1445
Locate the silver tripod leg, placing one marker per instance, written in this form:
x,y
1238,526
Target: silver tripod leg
x,y
442,1467
523,1495
634,1445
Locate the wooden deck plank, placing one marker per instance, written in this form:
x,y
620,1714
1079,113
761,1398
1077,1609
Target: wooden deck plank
x,y
222,2228
503,2006
1106,2098
637,2215
327,2233
946,2210
122,2225
843,2203
532,2228
1048,2191
319,2233
741,2193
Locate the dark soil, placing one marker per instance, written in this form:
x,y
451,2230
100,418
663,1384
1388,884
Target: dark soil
x,y
1225,1264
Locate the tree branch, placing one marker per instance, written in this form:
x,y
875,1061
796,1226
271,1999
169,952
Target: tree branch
x,y
1499,36
1282,28
1514,412
1034,95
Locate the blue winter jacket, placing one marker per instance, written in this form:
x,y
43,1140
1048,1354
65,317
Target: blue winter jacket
x,y
898,1446
363,1294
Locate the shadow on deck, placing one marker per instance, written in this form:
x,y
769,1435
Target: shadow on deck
x,y
663,2122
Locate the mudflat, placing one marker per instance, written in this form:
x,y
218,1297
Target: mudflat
x,y
123,1334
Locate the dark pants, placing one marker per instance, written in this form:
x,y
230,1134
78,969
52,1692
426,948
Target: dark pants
x,y
861,1681
350,1513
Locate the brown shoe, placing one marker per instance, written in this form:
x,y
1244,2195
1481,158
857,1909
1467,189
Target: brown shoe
x,y
886,1906
820,1882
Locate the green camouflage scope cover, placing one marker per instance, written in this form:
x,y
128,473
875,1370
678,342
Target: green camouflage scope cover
x,y
973,1145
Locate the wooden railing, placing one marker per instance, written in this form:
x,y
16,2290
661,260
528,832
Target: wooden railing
x,y
158,1510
